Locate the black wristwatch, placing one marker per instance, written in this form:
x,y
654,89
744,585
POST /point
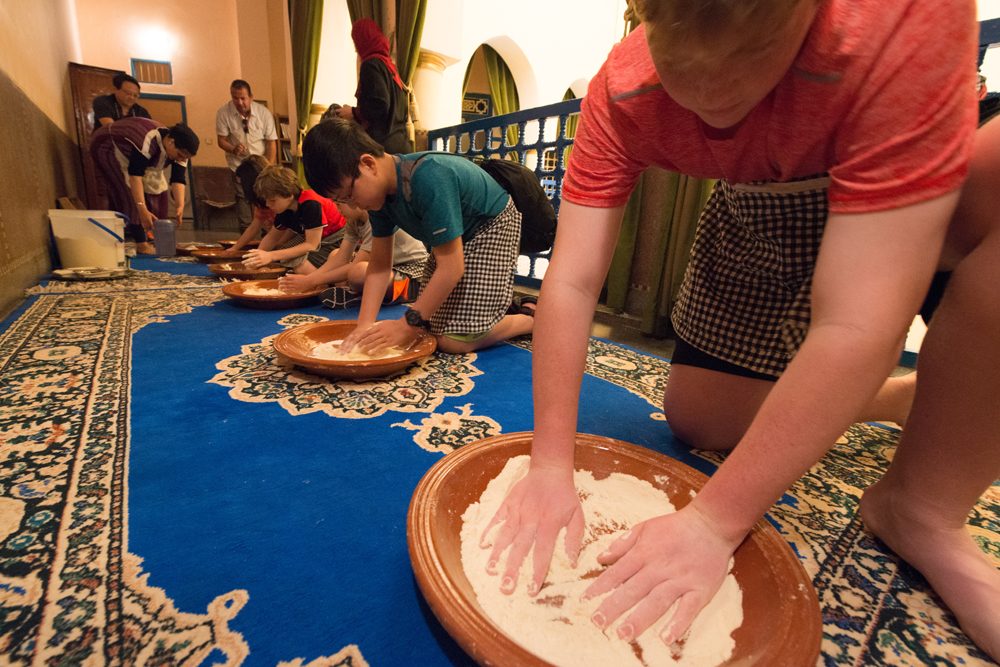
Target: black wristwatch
x,y
415,319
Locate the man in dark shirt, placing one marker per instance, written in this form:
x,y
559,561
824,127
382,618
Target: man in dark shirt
x,y
119,104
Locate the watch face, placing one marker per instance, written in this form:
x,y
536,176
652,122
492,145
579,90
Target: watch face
x,y
414,319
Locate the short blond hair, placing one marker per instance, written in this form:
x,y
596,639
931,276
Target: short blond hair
x,y
705,19
276,181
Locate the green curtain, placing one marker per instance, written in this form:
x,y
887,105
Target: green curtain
x,y
570,128
365,9
306,26
503,90
663,213
409,30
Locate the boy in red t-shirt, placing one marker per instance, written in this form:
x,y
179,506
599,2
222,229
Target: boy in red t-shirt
x,y
307,226
840,132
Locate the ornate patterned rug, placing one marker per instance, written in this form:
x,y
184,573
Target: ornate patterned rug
x,y
173,494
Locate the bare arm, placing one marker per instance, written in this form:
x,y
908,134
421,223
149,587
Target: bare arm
x,y
377,278
178,191
545,500
311,242
872,271
450,268
271,150
251,233
139,197
333,270
231,146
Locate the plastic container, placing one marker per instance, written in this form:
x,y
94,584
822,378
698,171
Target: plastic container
x,y
87,238
165,238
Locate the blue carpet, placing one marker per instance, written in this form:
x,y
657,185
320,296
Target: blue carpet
x,y
149,419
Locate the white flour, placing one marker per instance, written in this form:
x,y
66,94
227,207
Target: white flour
x,y
556,625
332,352
263,291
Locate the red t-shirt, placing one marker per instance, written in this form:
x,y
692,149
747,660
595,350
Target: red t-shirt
x,y
323,211
881,96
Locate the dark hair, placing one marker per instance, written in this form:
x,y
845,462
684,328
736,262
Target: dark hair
x,y
122,77
184,138
247,172
240,83
332,151
332,111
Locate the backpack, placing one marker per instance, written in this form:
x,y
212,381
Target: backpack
x,y
538,218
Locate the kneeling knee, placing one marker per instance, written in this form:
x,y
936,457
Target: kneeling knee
x,y
698,434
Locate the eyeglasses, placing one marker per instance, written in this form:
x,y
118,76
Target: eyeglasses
x,y
246,125
347,198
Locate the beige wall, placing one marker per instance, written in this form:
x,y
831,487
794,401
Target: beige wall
x,y
255,48
39,161
40,72
198,37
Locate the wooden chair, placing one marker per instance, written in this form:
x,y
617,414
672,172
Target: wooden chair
x,y
214,199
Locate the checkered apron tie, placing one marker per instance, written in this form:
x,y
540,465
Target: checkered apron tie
x,y
746,293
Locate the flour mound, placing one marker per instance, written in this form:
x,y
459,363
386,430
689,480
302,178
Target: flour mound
x,y
263,291
555,625
331,351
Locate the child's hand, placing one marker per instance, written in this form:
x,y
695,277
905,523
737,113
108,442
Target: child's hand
x,y
385,333
678,558
531,515
294,282
257,258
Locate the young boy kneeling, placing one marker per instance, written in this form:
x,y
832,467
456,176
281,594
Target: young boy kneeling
x,y
453,206
307,226
346,268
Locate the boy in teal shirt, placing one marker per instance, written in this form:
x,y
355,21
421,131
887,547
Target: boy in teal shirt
x,y
454,207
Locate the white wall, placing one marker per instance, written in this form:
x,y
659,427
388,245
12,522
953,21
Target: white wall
x,y
337,70
990,9
549,46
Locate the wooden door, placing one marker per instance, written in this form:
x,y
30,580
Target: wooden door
x,y
87,82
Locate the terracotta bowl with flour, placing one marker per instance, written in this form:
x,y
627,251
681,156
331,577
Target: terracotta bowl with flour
x,y
237,270
185,249
298,344
216,255
781,615
262,294
229,243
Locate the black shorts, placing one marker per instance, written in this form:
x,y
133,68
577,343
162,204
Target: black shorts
x,y
686,354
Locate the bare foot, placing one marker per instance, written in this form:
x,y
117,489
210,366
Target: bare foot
x,y
893,401
145,248
946,555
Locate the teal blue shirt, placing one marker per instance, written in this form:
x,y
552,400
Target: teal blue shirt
x,y
449,197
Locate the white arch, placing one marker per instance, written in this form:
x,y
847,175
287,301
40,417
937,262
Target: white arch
x,y
520,68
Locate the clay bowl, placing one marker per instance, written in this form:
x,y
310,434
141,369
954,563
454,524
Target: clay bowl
x,y
185,249
229,243
296,344
238,292
240,271
781,616
216,255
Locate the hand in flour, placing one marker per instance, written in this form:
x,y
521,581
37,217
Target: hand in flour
x,y
678,558
536,509
257,258
295,282
379,336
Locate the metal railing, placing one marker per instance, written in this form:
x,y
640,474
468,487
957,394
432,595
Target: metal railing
x,y
539,138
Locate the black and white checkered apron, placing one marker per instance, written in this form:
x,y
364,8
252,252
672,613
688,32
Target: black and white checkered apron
x,y
412,269
480,299
745,298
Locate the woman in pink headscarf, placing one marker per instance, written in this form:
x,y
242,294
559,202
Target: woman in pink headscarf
x,y
382,99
